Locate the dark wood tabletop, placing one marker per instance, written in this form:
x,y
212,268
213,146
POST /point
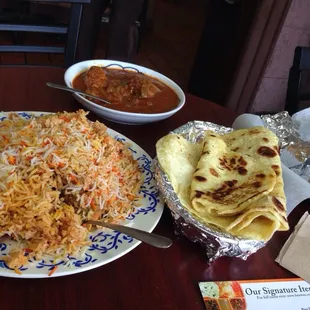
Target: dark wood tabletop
x,y
146,278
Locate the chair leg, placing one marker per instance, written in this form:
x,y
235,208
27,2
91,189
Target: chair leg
x,y
292,94
143,23
90,28
73,34
123,40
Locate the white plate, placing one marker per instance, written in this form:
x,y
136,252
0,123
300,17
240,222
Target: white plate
x,y
106,245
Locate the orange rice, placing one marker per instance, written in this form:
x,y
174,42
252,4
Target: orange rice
x,y
55,172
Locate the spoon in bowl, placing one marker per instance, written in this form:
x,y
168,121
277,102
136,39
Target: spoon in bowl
x,y
74,90
144,236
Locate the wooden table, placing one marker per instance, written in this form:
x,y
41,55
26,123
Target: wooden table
x,y
146,278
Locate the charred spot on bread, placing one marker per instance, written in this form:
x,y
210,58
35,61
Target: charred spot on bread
x,y
230,183
233,161
276,169
266,151
214,172
199,194
261,175
257,184
200,178
242,171
278,204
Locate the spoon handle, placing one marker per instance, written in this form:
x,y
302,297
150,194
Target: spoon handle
x,y
149,238
73,90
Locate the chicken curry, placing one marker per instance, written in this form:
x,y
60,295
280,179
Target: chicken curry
x,y
127,90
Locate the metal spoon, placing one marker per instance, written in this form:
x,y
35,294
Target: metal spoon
x,y
149,238
74,90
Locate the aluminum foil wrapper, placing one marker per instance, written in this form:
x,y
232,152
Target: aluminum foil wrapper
x,y
215,242
295,152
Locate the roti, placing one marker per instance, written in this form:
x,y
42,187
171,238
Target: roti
x,y
242,208
261,143
178,158
226,181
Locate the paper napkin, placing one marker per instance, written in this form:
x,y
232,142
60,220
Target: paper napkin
x,y
295,254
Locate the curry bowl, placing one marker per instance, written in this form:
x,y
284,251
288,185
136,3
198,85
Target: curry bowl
x,y
121,116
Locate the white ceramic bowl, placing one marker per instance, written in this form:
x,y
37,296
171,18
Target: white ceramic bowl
x,y
120,116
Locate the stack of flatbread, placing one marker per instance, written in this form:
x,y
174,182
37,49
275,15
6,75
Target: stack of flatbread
x,y
231,182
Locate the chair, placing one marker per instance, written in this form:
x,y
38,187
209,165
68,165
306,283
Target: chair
x,y
20,23
137,31
298,89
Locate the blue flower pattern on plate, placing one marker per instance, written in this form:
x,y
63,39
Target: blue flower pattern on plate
x,y
3,247
102,242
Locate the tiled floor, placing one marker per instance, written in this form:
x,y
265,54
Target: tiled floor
x,y
169,47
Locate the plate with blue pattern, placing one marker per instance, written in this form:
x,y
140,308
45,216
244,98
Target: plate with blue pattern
x,y
106,246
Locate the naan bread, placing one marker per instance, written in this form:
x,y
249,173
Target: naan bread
x,y
255,217
226,181
261,142
178,158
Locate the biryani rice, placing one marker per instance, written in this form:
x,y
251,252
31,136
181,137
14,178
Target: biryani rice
x,y
56,171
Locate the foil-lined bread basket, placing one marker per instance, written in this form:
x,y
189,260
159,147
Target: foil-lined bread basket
x,y
216,242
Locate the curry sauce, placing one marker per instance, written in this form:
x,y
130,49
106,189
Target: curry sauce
x,y
127,90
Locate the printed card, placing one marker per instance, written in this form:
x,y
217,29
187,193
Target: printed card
x,y
284,294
